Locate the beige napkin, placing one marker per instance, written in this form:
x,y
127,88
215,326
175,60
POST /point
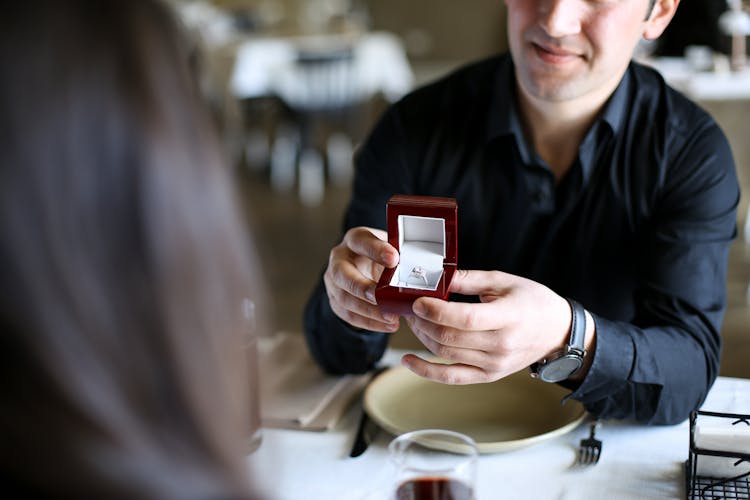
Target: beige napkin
x,y
295,393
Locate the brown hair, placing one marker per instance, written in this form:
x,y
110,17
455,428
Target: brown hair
x,y
123,262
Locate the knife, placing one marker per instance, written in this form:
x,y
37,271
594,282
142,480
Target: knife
x,y
366,429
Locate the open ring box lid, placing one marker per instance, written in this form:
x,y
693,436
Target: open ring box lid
x,y
424,231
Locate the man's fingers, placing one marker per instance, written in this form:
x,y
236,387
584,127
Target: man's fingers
x,y
453,374
348,305
343,274
366,323
463,316
481,282
454,354
451,337
355,264
373,244
364,316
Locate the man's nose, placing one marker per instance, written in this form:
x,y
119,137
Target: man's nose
x,y
561,18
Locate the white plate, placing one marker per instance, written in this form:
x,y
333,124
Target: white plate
x,y
501,416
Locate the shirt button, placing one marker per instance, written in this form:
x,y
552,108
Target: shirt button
x,y
542,194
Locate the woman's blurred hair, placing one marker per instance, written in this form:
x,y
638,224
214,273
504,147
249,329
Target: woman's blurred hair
x,y
123,262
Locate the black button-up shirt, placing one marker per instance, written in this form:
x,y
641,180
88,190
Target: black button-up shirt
x,y
638,230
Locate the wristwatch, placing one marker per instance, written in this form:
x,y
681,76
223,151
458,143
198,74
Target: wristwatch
x,y
565,363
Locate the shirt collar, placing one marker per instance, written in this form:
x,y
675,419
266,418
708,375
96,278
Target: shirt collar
x,y
613,116
504,118
615,109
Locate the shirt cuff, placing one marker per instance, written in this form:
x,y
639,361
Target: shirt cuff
x,y
610,370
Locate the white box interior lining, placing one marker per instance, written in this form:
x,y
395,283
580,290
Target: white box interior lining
x,y
421,244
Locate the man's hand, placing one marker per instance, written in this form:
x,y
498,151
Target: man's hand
x,y
517,323
354,267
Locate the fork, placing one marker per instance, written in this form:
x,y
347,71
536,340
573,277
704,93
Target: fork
x,y
590,449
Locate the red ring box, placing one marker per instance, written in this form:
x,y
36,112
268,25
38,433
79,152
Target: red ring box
x,y
424,229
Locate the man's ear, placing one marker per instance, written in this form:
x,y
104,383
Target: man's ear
x,y
660,16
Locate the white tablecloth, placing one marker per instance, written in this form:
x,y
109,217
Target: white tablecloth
x,y
266,66
637,462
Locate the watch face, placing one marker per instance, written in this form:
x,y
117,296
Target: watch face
x,y
560,368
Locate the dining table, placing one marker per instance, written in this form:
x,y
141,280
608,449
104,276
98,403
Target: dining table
x,y
637,461
268,65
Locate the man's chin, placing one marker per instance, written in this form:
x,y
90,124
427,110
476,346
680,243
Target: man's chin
x,y
554,90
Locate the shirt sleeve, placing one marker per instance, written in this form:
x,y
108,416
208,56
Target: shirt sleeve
x,y
659,366
380,171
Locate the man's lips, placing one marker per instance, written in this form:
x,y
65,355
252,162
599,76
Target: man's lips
x,y
555,55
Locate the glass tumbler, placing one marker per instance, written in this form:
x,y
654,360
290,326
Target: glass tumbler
x,y
434,464
251,356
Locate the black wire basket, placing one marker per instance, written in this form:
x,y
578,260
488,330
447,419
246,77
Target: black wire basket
x,y
736,486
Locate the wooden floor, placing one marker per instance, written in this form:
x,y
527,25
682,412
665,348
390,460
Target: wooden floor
x,y
294,242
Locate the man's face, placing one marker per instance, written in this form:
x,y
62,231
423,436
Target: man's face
x,y
569,49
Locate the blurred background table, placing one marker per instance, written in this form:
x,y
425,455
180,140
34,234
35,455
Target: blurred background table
x,y
722,85
271,66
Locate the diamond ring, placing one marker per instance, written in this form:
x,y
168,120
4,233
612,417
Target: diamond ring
x,y
419,273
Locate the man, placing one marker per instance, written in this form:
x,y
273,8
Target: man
x,y
579,175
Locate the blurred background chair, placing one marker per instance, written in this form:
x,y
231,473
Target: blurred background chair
x,y
324,106
323,86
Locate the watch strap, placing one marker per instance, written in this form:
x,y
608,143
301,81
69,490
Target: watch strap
x,y
577,339
557,367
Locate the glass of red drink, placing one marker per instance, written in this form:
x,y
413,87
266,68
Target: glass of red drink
x,y
434,464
